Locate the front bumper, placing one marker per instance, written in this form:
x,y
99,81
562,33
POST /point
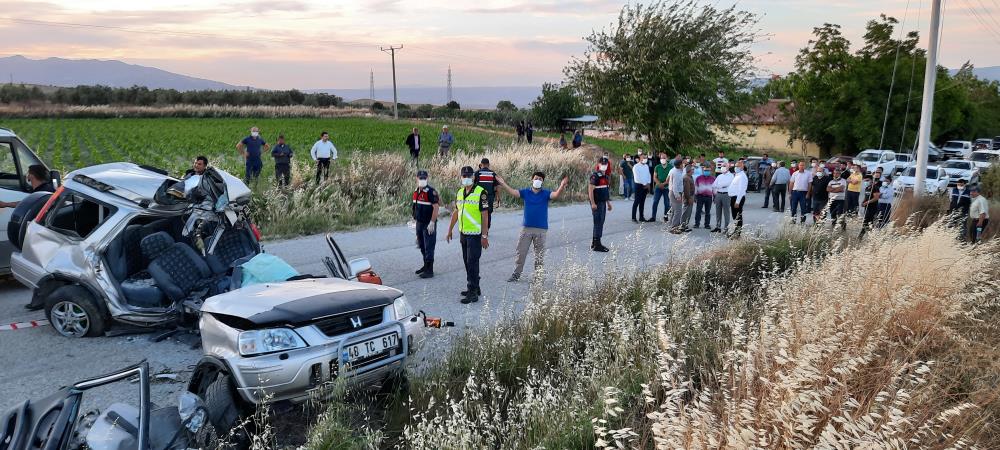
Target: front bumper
x,y
307,373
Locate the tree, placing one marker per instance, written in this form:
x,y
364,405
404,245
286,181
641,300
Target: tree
x,y
677,72
556,102
453,105
378,106
506,106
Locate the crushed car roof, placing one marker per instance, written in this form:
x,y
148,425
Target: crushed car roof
x,y
128,180
300,301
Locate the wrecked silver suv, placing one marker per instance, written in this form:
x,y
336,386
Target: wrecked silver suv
x,y
127,243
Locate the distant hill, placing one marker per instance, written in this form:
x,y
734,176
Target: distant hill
x,y
74,72
485,97
987,73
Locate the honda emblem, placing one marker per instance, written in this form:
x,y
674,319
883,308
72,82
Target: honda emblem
x,y
356,321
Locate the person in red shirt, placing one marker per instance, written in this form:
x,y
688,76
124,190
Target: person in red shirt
x,y
600,201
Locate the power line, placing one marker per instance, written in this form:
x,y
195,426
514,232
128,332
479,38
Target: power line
x,y
892,83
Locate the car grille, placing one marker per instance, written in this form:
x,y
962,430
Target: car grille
x,y
341,323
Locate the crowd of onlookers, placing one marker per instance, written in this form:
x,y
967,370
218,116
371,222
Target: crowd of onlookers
x,y
826,193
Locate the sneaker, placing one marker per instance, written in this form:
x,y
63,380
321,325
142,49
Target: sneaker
x,y
514,278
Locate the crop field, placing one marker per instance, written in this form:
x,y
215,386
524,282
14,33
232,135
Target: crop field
x,y
172,143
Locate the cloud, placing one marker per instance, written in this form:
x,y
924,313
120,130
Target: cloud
x,y
567,8
265,6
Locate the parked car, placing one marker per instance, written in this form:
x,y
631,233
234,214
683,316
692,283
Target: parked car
x,y
985,158
983,144
871,159
15,158
957,149
934,154
56,422
958,169
936,182
755,174
996,143
903,161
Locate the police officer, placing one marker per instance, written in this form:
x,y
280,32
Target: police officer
x,y
958,209
425,214
470,202
597,190
487,179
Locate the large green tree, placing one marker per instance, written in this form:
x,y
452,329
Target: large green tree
x,y
557,102
677,72
847,101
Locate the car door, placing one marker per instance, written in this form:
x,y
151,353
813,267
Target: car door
x,y
13,188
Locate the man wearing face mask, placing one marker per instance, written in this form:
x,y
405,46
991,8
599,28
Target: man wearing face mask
x,y
819,195
675,189
738,196
660,188
487,179
640,173
766,180
536,219
600,201
39,180
425,213
468,212
628,183
250,148
721,201
958,207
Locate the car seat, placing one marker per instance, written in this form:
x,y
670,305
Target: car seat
x,y
177,269
124,259
234,245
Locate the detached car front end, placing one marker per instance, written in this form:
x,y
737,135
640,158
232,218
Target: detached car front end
x,y
285,341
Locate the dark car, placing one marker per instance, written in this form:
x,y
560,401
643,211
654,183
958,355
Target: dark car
x,y
831,163
996,142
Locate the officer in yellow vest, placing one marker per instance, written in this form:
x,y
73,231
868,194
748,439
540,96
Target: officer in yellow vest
x,y
470,202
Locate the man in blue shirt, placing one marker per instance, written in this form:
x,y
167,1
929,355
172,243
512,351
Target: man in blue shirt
x,y
250,148
536,219
282,155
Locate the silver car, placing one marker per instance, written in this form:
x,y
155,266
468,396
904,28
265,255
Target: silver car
x,y
116,243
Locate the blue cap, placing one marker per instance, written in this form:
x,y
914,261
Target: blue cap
x,y
422,174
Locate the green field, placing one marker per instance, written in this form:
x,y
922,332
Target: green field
x,y
172,143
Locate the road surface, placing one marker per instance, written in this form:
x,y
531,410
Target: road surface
x,y
38,361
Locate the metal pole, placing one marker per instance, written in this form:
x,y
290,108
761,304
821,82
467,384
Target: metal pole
x,y
927,110
395,98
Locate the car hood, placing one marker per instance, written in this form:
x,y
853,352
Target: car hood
x,y
299,302
954,172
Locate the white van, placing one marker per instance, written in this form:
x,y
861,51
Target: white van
x,y
957,149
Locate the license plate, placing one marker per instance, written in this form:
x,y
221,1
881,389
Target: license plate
x,y
371,347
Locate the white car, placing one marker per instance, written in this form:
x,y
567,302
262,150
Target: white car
x,y
957,149
936,181
15,158
872,159
985,158
958,169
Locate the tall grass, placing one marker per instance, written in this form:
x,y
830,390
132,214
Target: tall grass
x,y
374,189
796,342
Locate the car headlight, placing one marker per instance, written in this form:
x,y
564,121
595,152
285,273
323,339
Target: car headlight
x,y
402,308
256,342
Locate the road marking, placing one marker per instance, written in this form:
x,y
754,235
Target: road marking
x,y
24,325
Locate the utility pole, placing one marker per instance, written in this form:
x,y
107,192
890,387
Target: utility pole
x,y
395,99
371,85
449,84
927,110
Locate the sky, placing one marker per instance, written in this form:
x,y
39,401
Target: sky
x,y
313,44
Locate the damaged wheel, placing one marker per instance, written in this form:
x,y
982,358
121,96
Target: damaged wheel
x,y
224,413
73,312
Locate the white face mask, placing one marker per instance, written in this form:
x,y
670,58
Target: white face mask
x,y
663,160
602,167
254,133
739,169
422,183
642,161
466,181
537,184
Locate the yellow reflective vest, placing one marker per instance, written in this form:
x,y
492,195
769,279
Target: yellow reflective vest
x,y
470,217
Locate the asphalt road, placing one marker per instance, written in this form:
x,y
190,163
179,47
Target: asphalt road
x,y
37,361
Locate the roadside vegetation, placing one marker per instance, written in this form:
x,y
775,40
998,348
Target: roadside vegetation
x,y
797,341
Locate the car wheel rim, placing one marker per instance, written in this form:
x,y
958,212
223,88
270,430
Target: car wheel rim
x,y
69,319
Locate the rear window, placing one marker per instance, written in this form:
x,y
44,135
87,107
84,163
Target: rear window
x,y
953,144
76,216
984,157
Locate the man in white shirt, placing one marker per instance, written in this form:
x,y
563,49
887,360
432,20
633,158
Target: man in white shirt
x,y
721,199
675,185
640,173
322,152
738,196
721,163
979,215
798,185
838,194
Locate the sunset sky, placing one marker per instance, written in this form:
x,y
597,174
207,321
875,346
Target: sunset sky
x,y
334,43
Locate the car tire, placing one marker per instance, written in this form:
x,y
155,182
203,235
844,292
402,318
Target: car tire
x,y
224,413
25,212
73,312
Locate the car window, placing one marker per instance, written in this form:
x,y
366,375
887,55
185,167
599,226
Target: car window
x,y
868,157
77,216
10,178
952,144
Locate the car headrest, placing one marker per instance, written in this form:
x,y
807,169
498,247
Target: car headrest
x,y
155,244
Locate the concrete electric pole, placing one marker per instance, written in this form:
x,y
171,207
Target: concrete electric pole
x,y
395,99
371,85
927,110
449,84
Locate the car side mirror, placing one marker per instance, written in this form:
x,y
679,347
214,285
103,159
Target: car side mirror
x,y
359,266
56,177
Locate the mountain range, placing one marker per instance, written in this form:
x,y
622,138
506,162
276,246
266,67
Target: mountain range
x,y
73,72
